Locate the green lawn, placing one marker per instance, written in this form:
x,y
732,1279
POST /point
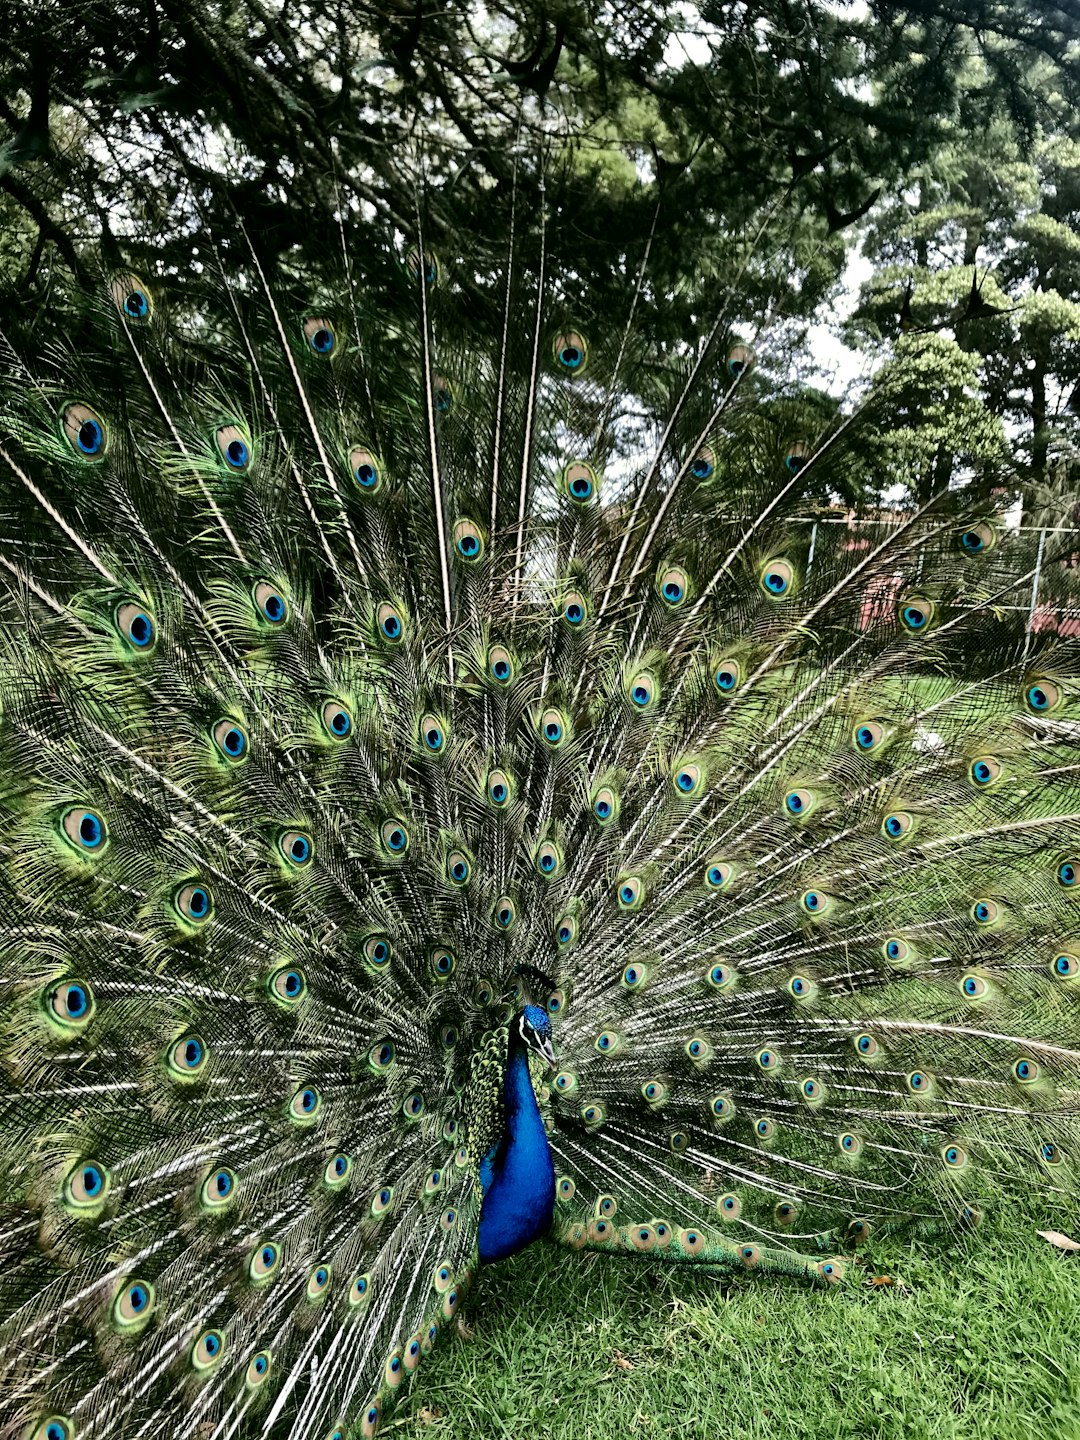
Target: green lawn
x,y
982,1339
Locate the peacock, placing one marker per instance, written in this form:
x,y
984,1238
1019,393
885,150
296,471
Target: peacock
x,y
467,778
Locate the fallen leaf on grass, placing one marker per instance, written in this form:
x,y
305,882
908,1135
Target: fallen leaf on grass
x,y
622,1362
429,1414
1056,1238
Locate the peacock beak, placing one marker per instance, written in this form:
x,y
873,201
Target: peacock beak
x,y
548,1053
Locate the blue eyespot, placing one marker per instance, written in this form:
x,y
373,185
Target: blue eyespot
x,y
389,623
222,1183
552,730
237,453
322,340
775,582
685,781
914,618
90,437
725,679
574,612
972,541
701,467
1067,874
136,306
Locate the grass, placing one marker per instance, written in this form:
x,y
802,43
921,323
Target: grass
x,y
978,1341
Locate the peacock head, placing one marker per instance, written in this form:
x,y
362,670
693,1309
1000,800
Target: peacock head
x,y
533,1024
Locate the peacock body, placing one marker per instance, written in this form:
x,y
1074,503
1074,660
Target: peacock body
x,y
439,810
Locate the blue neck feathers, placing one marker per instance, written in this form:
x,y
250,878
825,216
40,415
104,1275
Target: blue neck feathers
x,y
517,1175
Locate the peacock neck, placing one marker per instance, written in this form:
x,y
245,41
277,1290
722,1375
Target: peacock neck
x,y
517,1175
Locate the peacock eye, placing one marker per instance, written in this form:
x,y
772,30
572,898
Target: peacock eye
x,y
740,361
258,1370
729,1207
133,1306
382,1200
305,1105
917,614
85,1187
264,1262
234,447
985,912
287,985
336,719
338,1170
643,691
702,463
218,1189
365,468
605,805
55,1427
504,912
815,903
468,541
320,335
1027,1071
131,298
443,963
1066,966
777,577
553,728
688,778
270,603
391,626
673,584
974,987
575,610
579,481
498,787
549,860
1043,697
136,627
898,826
721,977
84,431
500,665
767,1060
423,263
630,892
381,1055
412,1107
866,1046
442,395
897,950
727,676
566,930
394,836
207,1350
360,1290
800,802
85,830
570,352
868,736
377,951
231,740
848,1143
296,848
71,1003
984,771
978,538
458,868
796,456
719,874
432,733
188,1057
635,976
194,903
318,1281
